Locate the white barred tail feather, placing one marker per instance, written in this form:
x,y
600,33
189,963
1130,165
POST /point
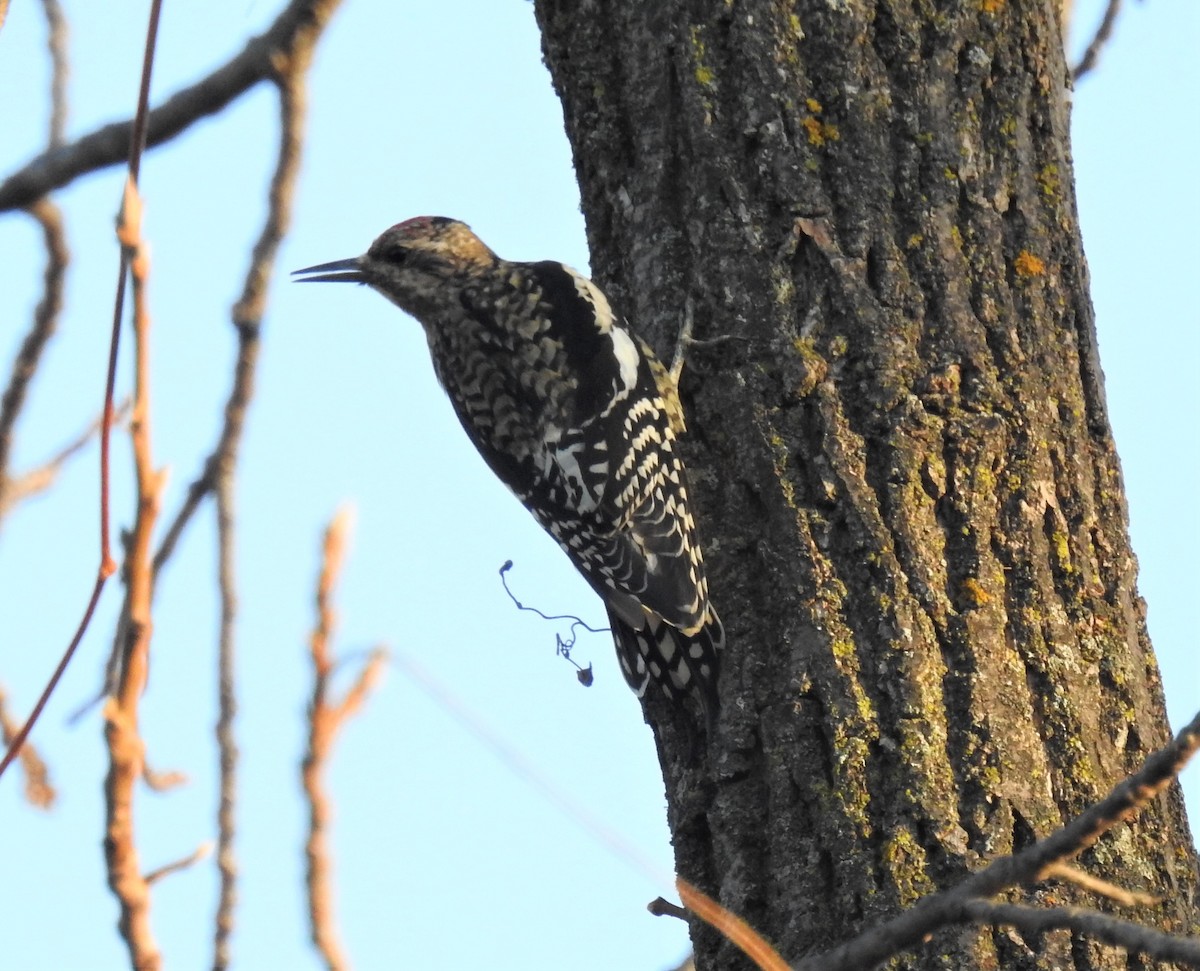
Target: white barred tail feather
x,y
682,665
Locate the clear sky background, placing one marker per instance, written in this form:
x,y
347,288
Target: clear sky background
x,y
444,857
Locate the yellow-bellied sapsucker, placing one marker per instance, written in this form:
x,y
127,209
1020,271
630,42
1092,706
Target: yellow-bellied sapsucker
x,y
578,418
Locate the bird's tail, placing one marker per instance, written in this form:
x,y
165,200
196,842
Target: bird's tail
x,y
665,658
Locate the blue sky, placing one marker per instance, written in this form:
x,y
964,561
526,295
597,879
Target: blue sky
x,y
436,108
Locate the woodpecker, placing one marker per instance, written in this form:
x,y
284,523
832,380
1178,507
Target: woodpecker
x,y
576,415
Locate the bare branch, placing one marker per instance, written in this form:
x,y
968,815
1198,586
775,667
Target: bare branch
x,y
227,711
1134,938
57,44
38,790
201,851
731,926
219,471
288,45
16,743
1103,35
162,780
45,319
110,145
1102,888
38,480
1125,800
136,144
366,682
126,749
325,719
661,907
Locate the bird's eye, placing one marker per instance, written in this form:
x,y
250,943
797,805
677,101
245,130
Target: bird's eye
x,y
395,255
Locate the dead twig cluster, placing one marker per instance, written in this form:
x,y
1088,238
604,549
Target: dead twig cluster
x,y
282,55
135,145
13,489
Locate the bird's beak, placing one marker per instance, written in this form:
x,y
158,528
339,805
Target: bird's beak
x,y
339,271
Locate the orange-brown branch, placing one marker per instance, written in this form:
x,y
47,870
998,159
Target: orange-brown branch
x,y
126,754
325,718
734,929
135,145
38,789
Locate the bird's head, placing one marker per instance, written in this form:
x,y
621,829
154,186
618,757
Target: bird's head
x,y
418,264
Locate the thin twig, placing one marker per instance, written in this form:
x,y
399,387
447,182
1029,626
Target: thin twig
x,y
45,319
201,851
325,718
38,480
1134,938
126,749
661,907
57,44
126,755
1098,886
285,52
227,747
110,144
135,143
162,780
16,743
220,469
38,790
1103,35
364,684
512,759
731,926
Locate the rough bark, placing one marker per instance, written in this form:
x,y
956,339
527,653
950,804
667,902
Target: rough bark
x,y
903,467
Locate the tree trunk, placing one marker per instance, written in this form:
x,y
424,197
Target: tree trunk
x,y
902,463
